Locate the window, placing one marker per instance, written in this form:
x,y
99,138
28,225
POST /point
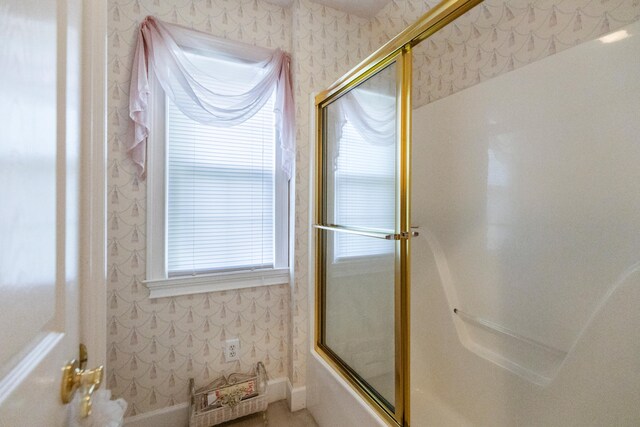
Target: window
x,y
361,187
365,184
218,199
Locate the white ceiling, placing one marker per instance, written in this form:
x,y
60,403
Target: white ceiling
x,y
364,8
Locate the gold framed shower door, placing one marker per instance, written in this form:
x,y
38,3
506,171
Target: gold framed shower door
x,y
397,51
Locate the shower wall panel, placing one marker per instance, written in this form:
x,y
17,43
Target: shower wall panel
x,y
526,274
497,37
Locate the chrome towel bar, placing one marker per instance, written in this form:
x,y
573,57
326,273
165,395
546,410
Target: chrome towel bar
x,y
367,233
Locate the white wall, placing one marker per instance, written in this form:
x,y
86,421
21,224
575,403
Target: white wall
x,y
526,188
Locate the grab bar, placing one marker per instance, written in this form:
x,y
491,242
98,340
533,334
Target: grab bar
x,y
505,331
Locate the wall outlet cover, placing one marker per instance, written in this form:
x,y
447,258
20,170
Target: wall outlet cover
x,y
232,350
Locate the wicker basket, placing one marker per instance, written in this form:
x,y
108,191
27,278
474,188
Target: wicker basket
x,y
228,398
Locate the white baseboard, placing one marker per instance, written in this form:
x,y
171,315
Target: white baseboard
x,y
277,389
178,415
296,397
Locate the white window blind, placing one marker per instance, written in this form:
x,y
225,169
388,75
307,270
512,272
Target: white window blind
x,y
365,193
220,187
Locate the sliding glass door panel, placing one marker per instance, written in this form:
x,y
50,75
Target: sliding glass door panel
x,y
359,317
360,237
360,145
363,211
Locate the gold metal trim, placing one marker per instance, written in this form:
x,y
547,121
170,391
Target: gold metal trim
x,y
75,376
398,50
429,23
69,382
367,72
405,226
401,112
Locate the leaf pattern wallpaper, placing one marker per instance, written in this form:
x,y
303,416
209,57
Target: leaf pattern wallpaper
x,y
155,346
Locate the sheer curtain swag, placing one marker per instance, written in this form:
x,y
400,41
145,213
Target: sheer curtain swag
x,y
372,114
161,50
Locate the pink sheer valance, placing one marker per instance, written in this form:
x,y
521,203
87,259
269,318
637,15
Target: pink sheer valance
x,y
163,48
372,115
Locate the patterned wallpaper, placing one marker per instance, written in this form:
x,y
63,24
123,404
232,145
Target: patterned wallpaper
x,y
497,37
156,345
326,44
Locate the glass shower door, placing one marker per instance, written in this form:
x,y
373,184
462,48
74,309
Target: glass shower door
x,y
359,280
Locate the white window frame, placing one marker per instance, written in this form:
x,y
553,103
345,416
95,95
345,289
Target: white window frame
x,y
157,279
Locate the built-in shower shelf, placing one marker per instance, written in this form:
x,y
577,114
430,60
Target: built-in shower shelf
x,y
527,357
494,327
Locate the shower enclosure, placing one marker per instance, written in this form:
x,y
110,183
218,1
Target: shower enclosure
x,y
363,222
363,231
477,250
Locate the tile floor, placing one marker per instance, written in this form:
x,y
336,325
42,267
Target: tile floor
x,y
278,415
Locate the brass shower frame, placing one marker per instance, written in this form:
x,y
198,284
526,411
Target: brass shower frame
x,y
397,50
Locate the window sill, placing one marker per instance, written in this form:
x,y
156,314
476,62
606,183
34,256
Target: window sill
x,y
162,288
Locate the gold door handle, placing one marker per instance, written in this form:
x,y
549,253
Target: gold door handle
x,y
87,380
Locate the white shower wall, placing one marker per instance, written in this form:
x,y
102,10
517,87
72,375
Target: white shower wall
x,y
526,190
494,39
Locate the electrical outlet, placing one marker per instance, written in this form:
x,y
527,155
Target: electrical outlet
x,y
232,350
